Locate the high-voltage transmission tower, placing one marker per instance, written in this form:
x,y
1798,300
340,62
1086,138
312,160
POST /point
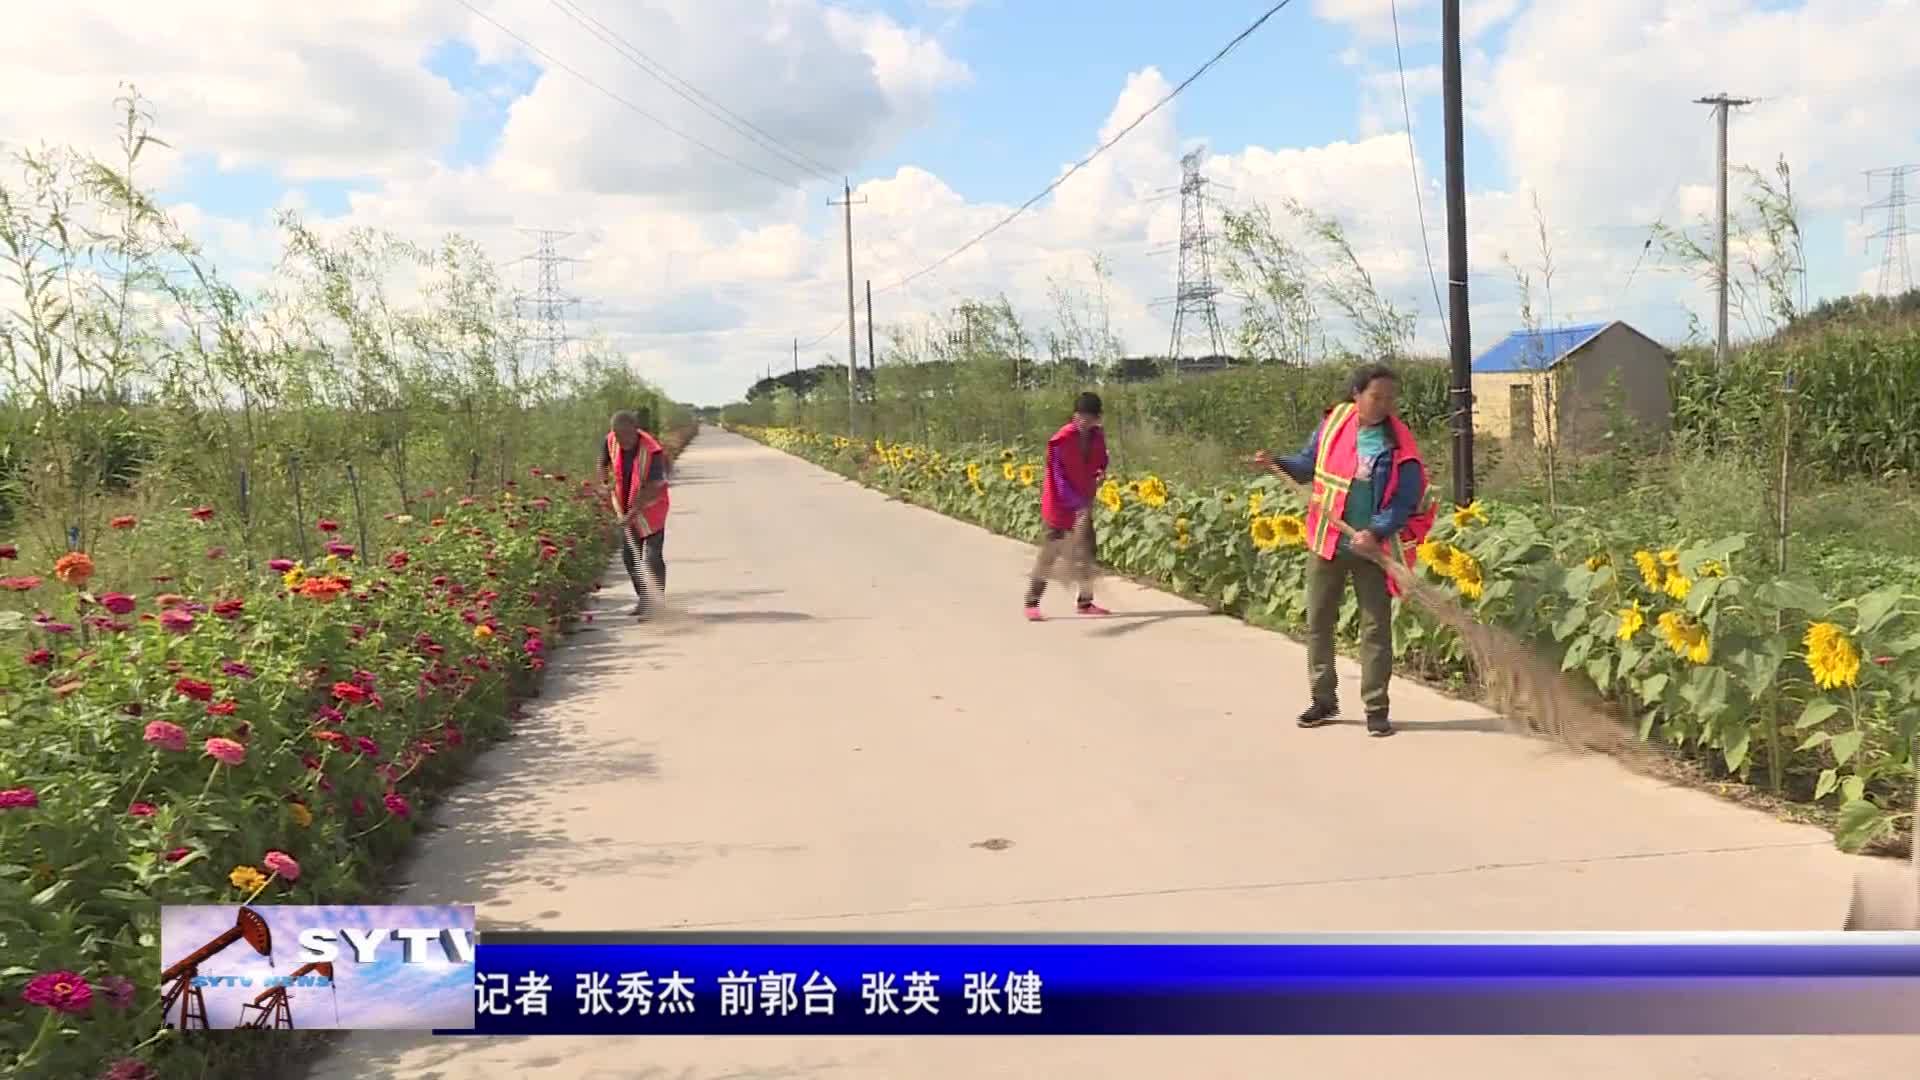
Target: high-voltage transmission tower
x,y
546,310
1896,273
1194,292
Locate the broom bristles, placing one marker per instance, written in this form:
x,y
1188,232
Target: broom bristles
x,y
1069,560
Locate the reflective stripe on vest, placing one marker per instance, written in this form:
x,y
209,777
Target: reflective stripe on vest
x,y
1329,499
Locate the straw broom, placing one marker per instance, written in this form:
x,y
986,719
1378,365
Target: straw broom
x,y
1070,560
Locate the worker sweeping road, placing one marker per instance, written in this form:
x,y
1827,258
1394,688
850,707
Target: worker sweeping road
x,y
636,464
1366,470
1076,465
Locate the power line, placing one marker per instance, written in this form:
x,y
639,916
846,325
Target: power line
x,y
1413,164
692,94
1101,149
575,72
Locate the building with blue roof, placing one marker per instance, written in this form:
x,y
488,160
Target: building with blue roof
x,y
1571,384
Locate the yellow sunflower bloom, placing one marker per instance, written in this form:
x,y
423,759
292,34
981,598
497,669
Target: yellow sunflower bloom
x,y
1110,496
1631,620
1599,562
1470,514
1008,471
1182,538
1467,575
293,578
1678,585
1670,559
1152,491
1265,533
1685,637
1255,500
1713,568
1832,656
1027,475
1649,569
1436,555
1291,529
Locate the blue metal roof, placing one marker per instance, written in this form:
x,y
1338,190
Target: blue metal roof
x,y
1535,350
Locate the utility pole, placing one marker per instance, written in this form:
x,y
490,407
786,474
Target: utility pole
x,y
872,358
796,362
1722,105
1460,390
1896,272
1194,290
853,329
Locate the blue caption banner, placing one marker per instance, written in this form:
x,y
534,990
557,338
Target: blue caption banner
x,y
894,984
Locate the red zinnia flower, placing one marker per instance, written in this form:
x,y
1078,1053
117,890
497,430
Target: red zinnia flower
x,y
201,513
327,525
40,658
20,584
142,809
61,991
9,551
351,693
126,521
221,708
129,1069
118,603
279,566
397,804
229,609
177,854
20,798
177,621
194,689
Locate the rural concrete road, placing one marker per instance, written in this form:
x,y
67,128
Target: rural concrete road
x,y
851,703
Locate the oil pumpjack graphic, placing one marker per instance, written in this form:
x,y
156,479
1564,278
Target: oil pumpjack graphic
x,y
271,1008
178,979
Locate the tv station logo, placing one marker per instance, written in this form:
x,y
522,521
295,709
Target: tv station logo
x,y
351,967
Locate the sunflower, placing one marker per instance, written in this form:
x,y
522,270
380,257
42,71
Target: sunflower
x,y
1006,455
1631,620
1027,475
1436,555
1678,585
1255,500
1467,575
1831,656
1470,514
1685,637
1182,538
292,578
1110,496
973,476
1152,491
1008,471
1599,562
1649,569
1291,529
1265,533
1713,568
1670,559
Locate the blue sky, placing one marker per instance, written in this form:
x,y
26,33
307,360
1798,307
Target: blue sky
x,y
388,993
418,118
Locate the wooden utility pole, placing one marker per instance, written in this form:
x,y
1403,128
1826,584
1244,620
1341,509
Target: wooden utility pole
x,y
873,358
853,329
1460,391
1722,104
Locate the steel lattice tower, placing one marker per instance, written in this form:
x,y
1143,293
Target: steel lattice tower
x,y
1194,290
1896,272
547,337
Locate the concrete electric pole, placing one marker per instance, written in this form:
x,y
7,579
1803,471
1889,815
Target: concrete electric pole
x,y
1722,105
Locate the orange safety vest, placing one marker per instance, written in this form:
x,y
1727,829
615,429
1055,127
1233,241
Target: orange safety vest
x,y
1334,462
654,517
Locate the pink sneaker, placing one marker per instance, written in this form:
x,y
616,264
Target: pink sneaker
x,y
1034,615
1093,609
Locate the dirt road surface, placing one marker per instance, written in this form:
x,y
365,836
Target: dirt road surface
x,y
852,703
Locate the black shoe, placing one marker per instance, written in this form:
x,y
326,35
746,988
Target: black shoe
x,y
639,611
1320,714
1378,726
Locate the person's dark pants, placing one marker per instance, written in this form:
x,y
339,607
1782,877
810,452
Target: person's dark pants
x,y
1326,588
1051,550
653,551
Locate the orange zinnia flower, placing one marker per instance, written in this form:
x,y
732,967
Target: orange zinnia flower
x,y
74,568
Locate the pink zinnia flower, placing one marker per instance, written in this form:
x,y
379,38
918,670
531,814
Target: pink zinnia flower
x,y
366,746
177,854
18,798
282,864
237,669
226,751
397,804
279,566
327,525
129,1069
118,603
344,551
229,609
61,991
176,620
142,809
166,735
119,991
